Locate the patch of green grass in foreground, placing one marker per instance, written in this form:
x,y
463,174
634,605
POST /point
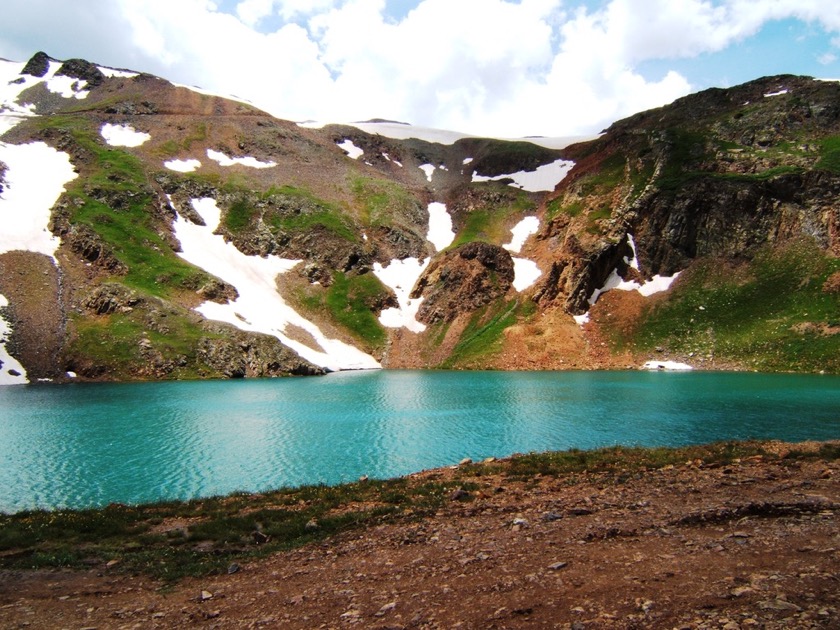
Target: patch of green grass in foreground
x,y
173,540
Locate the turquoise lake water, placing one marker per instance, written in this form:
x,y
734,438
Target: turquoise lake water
x,y
83,445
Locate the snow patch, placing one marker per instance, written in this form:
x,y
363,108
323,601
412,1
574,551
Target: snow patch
x,y
657,284
634,260
352,151
440,227
112,73
67,87
35,177
526,273
581,319
428,169
401,276
224,160
666,365
520,233
467,161
123,135
402,131
182,166
544,178
779,93
259,307
11,371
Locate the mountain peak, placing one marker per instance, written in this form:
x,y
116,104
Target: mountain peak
x,y
38,65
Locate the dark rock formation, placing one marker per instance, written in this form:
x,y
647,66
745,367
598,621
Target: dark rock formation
x,y
82,70
38,65
463,280
242,354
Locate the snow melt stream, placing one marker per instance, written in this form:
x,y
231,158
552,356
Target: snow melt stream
x,y
259,307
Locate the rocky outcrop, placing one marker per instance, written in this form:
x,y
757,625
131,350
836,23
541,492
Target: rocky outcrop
x,y
240,354
38,65
82,70
731,219
110,298
463,280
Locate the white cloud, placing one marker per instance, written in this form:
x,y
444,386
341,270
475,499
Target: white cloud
x,y
479,66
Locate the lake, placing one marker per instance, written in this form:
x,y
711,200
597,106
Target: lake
x,y
84,445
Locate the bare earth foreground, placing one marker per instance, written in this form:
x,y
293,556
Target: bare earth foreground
x,y
750,544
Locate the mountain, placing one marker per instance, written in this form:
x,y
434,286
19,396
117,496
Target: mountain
x,y
154,231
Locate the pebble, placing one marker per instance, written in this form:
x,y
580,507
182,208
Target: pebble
x,y
558,565
205,595
385,609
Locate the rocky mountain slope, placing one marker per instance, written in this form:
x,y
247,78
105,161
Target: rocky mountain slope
x,y
154,231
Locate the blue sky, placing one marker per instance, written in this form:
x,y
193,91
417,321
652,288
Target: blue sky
x,y
489,67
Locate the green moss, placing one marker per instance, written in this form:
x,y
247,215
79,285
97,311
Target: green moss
x,y
119,344
348,302
350,299
383,203
556,207
830,154
239,215
491,224
116,202
483,336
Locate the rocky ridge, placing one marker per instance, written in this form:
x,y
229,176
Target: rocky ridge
x,y
745,178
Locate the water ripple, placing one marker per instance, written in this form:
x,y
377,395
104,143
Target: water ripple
x,y
87,445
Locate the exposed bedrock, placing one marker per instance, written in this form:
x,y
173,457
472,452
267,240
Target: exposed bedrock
x,y
462,280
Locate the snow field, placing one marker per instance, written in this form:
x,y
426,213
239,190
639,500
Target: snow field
x,y
667,365
352,151
7,362
544,178
224,160
401,276
440,232
123,135
521,231
35,178
525,271
259,307
182,166
428,169
114,73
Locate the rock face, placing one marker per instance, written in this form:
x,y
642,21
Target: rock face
x,y
463,280
732,219
712,175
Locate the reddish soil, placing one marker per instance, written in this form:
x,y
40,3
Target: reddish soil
x,y
753,544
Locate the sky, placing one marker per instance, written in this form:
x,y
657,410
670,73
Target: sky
x,y
500,68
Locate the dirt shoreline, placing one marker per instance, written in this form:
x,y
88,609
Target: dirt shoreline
x,y
750,544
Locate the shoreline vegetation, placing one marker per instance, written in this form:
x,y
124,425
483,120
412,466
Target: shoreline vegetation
x,y
170,541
